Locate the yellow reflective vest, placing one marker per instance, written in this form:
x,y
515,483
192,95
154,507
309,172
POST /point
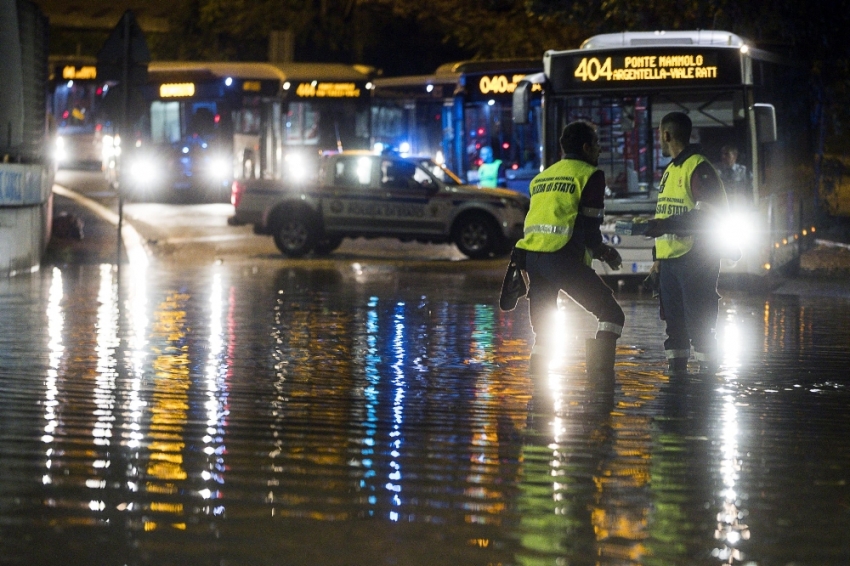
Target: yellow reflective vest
x,y
555,196
675,197
488,173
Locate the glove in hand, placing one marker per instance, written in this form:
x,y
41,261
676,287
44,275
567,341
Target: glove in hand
x,y
608,255
653,229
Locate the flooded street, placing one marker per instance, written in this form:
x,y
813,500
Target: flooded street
x,y
345,413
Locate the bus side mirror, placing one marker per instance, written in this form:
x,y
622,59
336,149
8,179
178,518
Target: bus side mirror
x,y
520,102
765,122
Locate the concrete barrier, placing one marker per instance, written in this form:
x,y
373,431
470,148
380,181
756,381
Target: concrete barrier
x,y
26,172
25,216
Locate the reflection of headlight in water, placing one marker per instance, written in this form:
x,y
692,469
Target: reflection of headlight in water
x,y
219,167
553,332
296,166
61,153
736,230
143,170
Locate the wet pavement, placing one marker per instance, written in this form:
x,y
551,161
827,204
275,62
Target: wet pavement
x,y
364,413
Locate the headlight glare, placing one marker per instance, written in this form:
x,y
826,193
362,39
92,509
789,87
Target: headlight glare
x,y
219,168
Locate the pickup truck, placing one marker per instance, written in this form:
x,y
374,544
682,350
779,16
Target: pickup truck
x,y
361,194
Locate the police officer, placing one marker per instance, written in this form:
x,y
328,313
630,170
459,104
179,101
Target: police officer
x,y
690,197
490,171
561,236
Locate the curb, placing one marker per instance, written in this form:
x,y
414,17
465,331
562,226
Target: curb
x,y
133,243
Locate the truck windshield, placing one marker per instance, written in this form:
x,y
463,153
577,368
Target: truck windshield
x,y
441,172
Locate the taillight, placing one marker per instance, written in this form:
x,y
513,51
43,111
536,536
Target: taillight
x,y
236,191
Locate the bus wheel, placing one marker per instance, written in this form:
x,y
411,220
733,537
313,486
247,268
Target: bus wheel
x,y
327,244
295,235
477,236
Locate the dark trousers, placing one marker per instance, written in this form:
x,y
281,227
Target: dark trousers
x,y
549,273
690,304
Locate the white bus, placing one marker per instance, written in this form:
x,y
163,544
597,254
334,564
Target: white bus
x,y
737,97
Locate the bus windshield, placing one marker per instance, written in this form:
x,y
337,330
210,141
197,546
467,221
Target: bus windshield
x,y
330,126
489,124
628,133
74,105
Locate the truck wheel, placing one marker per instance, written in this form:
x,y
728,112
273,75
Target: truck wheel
x,y
477,236
295,235
326,245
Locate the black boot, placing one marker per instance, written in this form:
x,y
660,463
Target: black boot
x,y
599,355
677,366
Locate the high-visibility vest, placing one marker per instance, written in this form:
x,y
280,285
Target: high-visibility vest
x,y
555,196
488,173
675,197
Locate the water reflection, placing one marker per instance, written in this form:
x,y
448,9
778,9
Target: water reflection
x,y
220,415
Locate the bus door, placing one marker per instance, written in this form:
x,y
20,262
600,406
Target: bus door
x,y
247,129
310,128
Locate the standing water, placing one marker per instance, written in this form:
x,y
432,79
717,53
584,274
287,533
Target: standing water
x,y
226,415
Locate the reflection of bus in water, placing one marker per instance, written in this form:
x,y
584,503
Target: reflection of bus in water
x,y
735,95
73,104
460,114
206,124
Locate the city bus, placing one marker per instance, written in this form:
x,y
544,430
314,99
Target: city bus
x,y
73,104
205,124
738,97
452,115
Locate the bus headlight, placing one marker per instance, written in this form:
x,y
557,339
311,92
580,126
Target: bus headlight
x,y
220,168
736,230
296,166
143,170
110,147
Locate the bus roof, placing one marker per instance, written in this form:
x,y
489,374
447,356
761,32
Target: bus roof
x,y
459,68
266,71
660,38
451,73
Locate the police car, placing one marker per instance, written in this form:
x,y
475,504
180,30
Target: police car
x,y
361,194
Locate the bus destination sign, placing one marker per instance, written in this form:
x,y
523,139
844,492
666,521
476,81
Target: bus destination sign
x,y
317,89
176,90
71,72
589,70
491,85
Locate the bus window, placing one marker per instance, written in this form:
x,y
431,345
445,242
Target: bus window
x,y
247,121
516,146
626,141
202,122
409,127
72,104
165,122
302,124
